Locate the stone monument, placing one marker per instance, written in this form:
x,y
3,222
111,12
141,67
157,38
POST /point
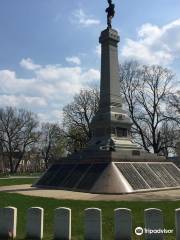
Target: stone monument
x,y
111,163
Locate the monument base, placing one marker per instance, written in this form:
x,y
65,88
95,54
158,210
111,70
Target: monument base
x,y
106,173
123,155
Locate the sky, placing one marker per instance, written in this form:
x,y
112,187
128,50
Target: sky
x,y
49,49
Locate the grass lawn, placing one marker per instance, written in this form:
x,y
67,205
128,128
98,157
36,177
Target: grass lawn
x,y
17,181
24,202
20,174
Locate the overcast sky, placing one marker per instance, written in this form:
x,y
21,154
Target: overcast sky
x,y
49,48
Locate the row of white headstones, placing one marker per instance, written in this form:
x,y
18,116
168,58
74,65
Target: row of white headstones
x,y
92,223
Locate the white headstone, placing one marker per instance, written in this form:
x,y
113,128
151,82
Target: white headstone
x,y
153,224
8,222
35,219
93,224
177,223
62,223
123,224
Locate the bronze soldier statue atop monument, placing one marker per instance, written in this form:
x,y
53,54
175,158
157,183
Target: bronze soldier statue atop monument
x,y
110,13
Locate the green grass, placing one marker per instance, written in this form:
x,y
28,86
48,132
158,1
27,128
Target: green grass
x,y
20,174
17,181
24,202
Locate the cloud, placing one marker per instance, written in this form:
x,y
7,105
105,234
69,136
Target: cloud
x,y
154,44
46,93
98,50
52,116
22,101
74,60
79,17
28,64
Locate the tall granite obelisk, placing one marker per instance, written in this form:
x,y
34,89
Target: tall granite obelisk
x,y
111,163
111,125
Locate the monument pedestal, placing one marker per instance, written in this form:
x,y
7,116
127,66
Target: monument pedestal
x,y
110,177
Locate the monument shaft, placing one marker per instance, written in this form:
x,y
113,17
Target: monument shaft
x,y
111,125
110,82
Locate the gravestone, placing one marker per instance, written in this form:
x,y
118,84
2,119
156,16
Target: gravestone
x,y
8,222
177,223
62,223
123,224
153,222
93,224
35,220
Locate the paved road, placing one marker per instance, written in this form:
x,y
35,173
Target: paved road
x,y
172,195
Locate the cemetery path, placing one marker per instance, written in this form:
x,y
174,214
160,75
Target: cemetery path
x,y
18,177
26,189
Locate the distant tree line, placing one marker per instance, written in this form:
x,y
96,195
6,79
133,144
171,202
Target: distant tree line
x,y
22,136
150,98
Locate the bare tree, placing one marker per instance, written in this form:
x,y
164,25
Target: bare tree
x,y
174,109
78,116
17,134
52,142
145,89
174,102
